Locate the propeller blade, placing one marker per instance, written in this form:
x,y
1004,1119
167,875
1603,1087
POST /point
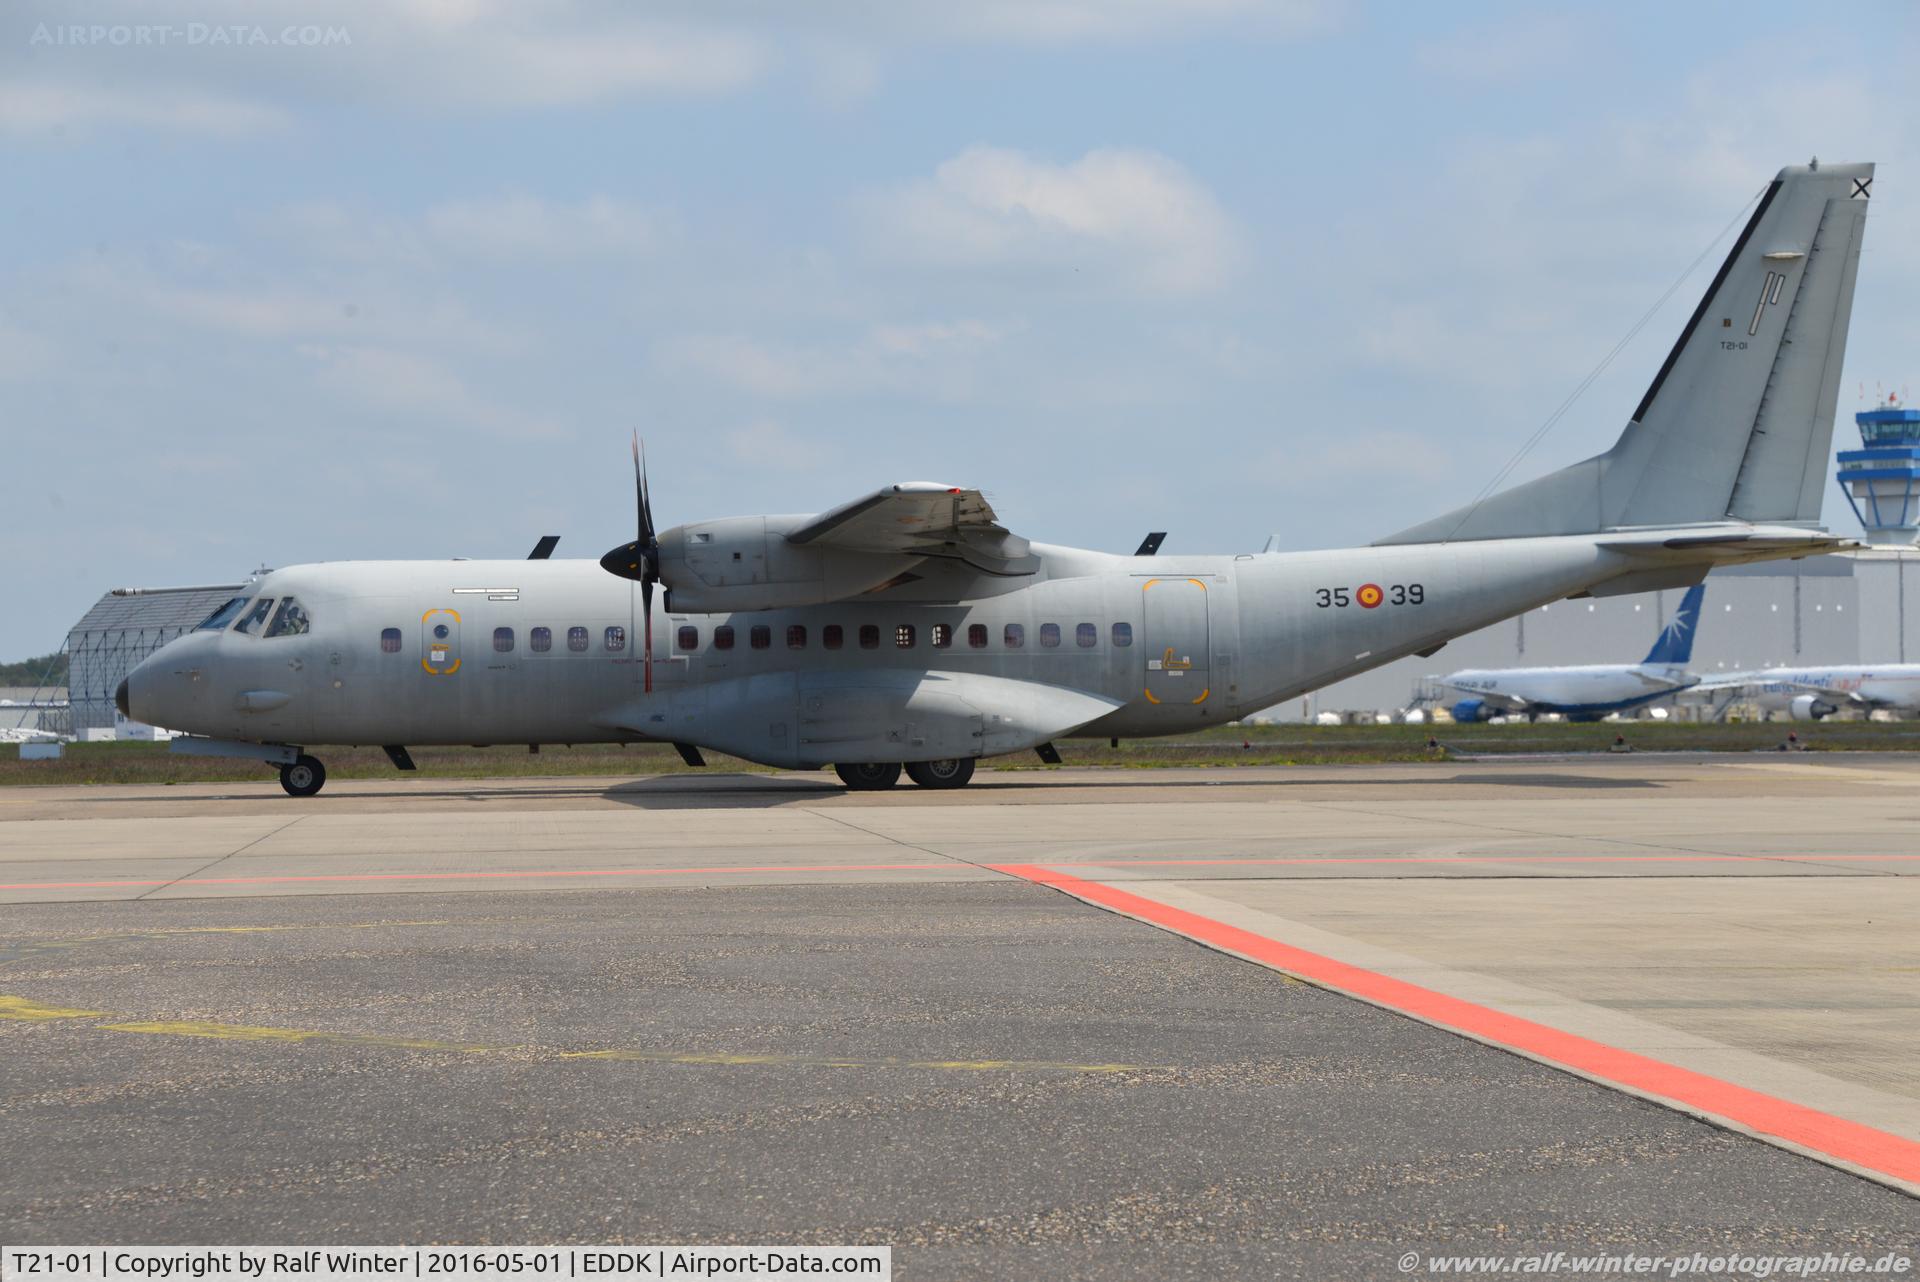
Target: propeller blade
x,y
644,492
646,609
640,559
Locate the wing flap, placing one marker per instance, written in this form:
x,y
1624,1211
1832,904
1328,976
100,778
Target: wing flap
x,y
921,518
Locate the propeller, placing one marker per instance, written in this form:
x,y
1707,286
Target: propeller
x,y
640,559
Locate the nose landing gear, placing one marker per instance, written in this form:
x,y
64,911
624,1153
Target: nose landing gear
x,y
303,777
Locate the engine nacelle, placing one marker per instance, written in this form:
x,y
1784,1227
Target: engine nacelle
x,y
1810,707
1469,710
746,563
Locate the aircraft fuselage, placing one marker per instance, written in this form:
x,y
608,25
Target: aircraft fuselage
x,y
442,652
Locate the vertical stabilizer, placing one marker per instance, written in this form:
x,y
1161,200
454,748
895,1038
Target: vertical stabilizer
x,y
1674,647
1737,423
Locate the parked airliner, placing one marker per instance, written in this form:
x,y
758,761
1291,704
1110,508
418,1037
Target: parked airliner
x,y
1810,694
1590,691
910,628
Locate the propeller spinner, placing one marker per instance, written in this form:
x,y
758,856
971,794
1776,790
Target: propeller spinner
x,y
640,559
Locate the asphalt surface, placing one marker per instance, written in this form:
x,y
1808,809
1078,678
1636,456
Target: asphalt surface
x,y
994,1079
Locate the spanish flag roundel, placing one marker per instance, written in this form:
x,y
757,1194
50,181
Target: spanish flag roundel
x,y
1369,595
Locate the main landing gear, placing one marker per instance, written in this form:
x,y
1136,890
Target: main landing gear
x,y
303,777
873,776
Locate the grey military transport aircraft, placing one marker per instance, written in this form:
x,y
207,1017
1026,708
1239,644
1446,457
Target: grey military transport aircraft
x,y
910,629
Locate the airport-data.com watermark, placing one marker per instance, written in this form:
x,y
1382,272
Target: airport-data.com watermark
x,y
187,35
1697,1265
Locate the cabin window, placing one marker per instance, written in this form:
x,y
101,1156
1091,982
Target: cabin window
x,y
1122,634
869,636
977,635
540,640
941,634
723,637
833,636
616,638
689,638
1015,637
503,640
796,636
760,636
1050,635
224,615
256,616
1086,636
389,640
576,639
290,621
903,636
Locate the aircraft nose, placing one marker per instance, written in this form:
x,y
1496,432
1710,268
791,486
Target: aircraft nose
x,y
120,699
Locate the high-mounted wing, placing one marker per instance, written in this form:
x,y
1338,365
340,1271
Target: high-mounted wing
x,y
921,518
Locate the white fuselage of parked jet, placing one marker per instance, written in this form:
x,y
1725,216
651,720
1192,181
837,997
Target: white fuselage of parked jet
x,y
1582,691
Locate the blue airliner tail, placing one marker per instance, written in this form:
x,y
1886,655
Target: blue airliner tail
x,y
1675,644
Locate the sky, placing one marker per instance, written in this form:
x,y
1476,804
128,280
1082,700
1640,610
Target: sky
x,y
289,282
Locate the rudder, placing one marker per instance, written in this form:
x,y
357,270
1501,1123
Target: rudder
x,y
1674,646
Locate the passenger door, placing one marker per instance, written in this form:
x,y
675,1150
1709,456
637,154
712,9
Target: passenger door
x,y
1176,641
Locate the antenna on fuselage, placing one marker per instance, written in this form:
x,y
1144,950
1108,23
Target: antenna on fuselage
x,y
1151,544
544,548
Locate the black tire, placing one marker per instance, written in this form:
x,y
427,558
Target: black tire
x,y
953,772
870,776
304,777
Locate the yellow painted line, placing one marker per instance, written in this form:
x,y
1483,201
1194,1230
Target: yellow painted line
x,y
261,1033
26,1009
814,1061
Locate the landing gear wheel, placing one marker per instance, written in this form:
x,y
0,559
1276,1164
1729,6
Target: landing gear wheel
x,y
304,777
871,776
952,772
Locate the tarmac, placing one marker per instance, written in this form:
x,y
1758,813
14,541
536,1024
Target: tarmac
x,y
1169,1023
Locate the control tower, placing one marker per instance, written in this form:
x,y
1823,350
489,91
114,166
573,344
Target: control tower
x,y
1882,480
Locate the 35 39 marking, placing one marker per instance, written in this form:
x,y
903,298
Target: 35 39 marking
x,y
1370,596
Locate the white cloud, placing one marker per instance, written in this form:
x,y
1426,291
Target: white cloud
x,y
768,444
527,226
929,359
51,106
1113,217
1512,49
1045,21
423,390
223,67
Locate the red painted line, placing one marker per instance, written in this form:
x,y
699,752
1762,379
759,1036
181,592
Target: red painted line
x,y
463,876
1849,1142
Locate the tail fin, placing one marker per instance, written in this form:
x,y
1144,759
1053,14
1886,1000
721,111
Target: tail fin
x,y
1737,423
1674,647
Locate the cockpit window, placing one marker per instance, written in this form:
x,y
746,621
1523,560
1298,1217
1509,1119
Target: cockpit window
x,y
256,617
291,621
225,614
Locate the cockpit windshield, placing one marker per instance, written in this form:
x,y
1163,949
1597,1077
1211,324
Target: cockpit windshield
x,y
291,621
224,615
256,617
